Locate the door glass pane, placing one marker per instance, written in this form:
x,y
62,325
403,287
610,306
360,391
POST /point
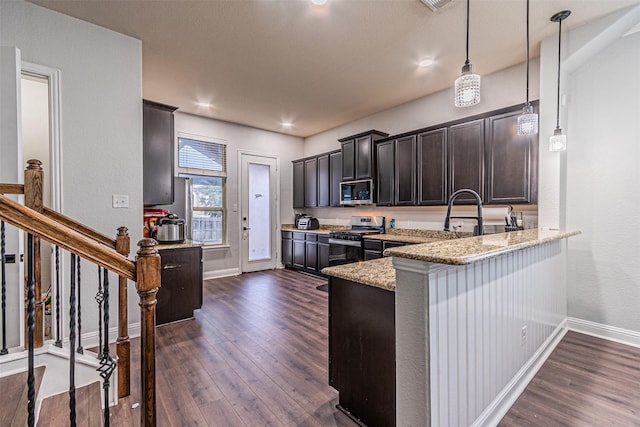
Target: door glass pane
x,y
259,212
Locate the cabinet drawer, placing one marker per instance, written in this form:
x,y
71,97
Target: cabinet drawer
x,y
297,235
287,235
391,244
373,244
323,238
312,237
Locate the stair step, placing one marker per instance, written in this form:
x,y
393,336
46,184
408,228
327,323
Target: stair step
x,y
14,401
55,409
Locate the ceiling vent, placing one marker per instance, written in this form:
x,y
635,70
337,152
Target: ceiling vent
x,y
435,4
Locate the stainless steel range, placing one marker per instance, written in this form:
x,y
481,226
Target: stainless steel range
x,y
347,246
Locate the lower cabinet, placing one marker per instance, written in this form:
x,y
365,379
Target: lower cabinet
x,y
374,248
180,284
305,251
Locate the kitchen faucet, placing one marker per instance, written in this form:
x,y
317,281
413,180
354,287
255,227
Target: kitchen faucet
x,y
478,230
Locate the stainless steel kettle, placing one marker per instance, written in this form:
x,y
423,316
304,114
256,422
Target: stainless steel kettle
x,y
170,229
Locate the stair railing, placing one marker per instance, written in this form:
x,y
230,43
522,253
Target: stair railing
x,y
111,255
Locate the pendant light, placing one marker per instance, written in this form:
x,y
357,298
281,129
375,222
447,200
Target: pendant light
x,y
558,142
467,86
528,120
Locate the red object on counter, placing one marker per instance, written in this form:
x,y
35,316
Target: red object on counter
x,y
150,217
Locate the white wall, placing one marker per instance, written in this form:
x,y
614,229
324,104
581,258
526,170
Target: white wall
x,y
501,89
601,183
221,261
101,122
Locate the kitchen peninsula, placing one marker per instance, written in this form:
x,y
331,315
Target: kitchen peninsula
x,y
472,319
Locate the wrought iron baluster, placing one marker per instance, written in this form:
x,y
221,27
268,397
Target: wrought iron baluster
x,y
4,291
72,344
31,308
107,363
99,300
58,317
79,294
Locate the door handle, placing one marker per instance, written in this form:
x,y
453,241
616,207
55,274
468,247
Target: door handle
x,y
246,228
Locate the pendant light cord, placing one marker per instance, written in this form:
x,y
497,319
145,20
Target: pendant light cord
x,y
558,98
527,52
467,61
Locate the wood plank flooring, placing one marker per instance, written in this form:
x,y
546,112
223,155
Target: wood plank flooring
x,y
586,381
256,355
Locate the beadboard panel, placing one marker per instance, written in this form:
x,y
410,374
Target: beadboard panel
x,y
473,318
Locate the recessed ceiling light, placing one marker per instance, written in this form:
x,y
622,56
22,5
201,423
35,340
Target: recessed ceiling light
x,y
319,2
204,105
425,63
286,124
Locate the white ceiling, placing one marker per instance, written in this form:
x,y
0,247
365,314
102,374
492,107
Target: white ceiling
x,y
264,62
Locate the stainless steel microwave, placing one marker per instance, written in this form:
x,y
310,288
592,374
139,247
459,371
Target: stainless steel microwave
x,y
356,192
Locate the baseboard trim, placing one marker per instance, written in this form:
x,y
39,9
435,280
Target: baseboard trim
x,y
611,333
216,274
492,415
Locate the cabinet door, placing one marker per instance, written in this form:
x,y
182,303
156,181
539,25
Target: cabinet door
x,y
323,255
299,253
432,167
157,153
311,183
349,160
405,171
323,181
466,158
287,252
181,290
298,184
371,254
385,176
511,161
311,256
364,157
335,167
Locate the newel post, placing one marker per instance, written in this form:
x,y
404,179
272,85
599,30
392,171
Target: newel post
x,y
148,282
123,346
33,182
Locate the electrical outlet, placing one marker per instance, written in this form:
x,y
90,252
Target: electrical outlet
x,y
524,335
120,201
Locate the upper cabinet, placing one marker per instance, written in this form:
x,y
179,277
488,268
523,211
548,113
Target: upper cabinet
x,y
298,184
405,171
432,167
335,176
157,153
316,181
311,182
466,157
323,181
512,161
385,177
358,160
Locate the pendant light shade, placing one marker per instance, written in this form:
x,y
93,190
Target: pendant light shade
x,y
558,142
528,120
467,86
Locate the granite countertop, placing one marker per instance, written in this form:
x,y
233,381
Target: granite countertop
x,y
417,236
186,244
473,249
376,272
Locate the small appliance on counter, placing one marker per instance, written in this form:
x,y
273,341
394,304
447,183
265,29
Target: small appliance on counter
x,y
151,217
308,223
298,217
170,229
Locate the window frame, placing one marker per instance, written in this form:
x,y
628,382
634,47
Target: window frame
x,y
206,172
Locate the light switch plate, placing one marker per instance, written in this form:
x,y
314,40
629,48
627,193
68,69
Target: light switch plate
x,y
120,201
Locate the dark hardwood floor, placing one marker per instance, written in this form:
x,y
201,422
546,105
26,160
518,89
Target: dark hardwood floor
x,y
256,355
586,381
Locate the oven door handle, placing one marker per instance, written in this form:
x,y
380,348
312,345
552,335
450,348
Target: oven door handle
x,y
340,242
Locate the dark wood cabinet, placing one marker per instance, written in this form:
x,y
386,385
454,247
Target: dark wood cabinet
x,y
324,182
157,153
335,168
466,158
358,156
323,251
287,248
511,160
348,160
374,248
385,185
405,171
311,183
298,184
362,351
311,257
432,167
299,253
181,279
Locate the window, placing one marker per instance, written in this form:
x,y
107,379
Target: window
x,y
205,162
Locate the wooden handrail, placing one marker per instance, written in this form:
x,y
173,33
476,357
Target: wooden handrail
x,y
80,228
11,189
61,235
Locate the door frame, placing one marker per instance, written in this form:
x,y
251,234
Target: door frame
x,y
275,244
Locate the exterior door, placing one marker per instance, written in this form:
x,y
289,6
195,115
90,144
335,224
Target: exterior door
x,y
259,210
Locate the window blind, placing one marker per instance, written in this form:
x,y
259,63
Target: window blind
x,y
203,157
